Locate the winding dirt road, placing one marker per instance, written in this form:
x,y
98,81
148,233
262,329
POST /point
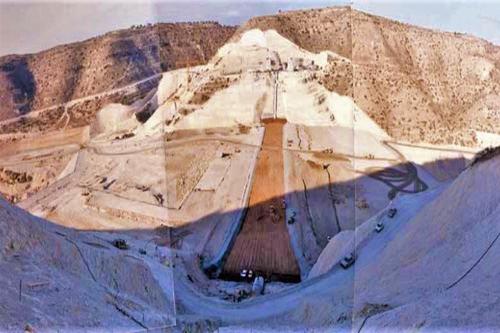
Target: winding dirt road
x,y
397,180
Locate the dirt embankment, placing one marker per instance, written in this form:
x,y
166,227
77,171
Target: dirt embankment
x,y
263,244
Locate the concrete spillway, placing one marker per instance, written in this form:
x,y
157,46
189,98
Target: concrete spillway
x,y
263,244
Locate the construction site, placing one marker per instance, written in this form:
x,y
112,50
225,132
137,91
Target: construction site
x,y
246,194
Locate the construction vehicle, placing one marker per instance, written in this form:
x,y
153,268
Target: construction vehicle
x,y
120,244
246,274
347,261
258,286
392,212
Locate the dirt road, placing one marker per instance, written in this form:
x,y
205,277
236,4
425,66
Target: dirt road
x,y
398,180
36,113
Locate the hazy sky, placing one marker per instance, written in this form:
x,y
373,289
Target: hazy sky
x,y
478,18
31,26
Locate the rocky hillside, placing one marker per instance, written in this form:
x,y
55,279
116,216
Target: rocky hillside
x,y
51,270
417,84
448,269
314,30
67,72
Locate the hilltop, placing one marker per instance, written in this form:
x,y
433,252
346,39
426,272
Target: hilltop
x,y
113,60
419,85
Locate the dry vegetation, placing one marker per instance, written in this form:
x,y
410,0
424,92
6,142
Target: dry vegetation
x,y
419,85
208,89
422,85
338,77
80,114
486,154
315,30
67,72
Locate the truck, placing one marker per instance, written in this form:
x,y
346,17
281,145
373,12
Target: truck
x,y
347,261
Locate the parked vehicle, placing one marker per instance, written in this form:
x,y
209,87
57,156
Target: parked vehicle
x,y
120,244
379,227
347,261
258,285
392,212
246,274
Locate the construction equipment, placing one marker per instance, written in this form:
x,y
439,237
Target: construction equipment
x,y
347,261
258,285
246,274
120,244
392,212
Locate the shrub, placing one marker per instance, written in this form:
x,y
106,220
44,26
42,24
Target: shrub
x,y
485,155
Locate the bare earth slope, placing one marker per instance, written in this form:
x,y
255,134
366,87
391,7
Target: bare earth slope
x,y
444,258
55,278
417,84
67,72
315,30
432,267
424,85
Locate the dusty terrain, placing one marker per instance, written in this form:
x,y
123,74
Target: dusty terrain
x,y
269,157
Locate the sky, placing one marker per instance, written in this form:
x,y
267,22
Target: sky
x,y
31,26
478,18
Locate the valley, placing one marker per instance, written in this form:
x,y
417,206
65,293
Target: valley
x,y
326,161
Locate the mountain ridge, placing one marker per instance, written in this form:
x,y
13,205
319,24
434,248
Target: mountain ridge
x,y
400,71
413,81
117,58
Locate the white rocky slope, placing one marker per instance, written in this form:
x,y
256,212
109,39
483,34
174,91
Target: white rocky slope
x,y
248,86
55,278
264,50
442,263
435,265
432,268
404,277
